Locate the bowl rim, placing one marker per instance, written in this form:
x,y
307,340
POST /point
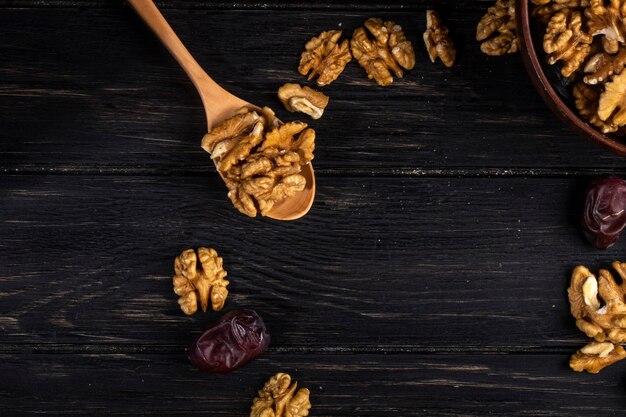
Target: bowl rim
x,y
545,89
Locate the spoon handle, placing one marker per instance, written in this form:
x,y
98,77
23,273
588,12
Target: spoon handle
x,y
213,96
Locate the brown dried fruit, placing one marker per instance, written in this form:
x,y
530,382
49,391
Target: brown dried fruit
x,y
586,100
204,281
324,56
565,41
437,40
598,304
279,398
261,164
612,103
608,21
389,52
303,99
497,29
596,356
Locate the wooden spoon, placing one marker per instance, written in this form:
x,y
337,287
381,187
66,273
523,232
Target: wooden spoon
x,y
219,104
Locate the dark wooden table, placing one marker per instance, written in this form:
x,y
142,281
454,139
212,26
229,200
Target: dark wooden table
x,y
429,278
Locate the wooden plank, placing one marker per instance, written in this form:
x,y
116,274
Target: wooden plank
x,y
237,5
98,92
378,264
340,385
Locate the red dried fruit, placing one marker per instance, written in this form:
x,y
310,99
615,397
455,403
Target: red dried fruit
x,y
234,340
604,216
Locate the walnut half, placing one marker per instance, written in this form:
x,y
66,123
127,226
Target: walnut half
x,y
303,99
201,282
279,398
437,40
566,41
596,356
598,304
496,30
389,52
325,57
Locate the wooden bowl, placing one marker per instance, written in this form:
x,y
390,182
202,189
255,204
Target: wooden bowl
x,y
537,71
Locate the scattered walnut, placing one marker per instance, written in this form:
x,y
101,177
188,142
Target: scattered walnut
x,y
586,100
279,398
260,163
596,356
204,281
607,21
565,41
390,51
303,99
598,304
545,9
437,40
499,21
612,103
324,56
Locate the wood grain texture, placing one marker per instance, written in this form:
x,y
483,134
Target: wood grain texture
x,y
340,385
112,98
378,263
248,4
428,280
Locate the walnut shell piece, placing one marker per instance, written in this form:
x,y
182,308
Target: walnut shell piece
x,y
200,282
303,99
387,53
325,57
596,356
279,398
496,29
598,304
437,40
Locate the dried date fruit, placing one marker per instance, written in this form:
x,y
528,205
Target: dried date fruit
x,y
234,340
604,217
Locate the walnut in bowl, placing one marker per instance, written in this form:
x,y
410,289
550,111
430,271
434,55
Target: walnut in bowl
x,y
565,54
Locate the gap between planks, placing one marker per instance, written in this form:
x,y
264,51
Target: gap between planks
x,y
67,348
340,172
363,5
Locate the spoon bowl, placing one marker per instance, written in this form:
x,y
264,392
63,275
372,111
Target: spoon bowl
x,y
219,104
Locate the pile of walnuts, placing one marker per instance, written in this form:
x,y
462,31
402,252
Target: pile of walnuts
x,y
598,304
260,158
587,38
